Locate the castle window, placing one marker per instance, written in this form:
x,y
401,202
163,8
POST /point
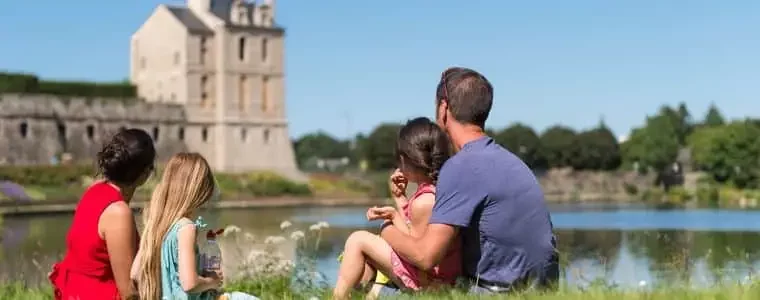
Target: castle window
x,y
62,135
173,97
266,136
181,134
264,93
155,134
264,46
204,93
176,58
143,63
242,92
90,130
243,134
204,134
203,50
241,49
23,129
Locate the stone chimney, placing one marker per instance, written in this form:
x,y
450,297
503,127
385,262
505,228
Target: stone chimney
x,y
265,13
199,6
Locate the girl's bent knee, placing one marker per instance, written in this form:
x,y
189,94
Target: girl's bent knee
x,y
358,238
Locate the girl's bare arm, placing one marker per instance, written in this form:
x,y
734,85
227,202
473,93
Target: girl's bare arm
x,y
421,209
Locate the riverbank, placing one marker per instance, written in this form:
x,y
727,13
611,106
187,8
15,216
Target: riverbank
x,y
278,288
33,208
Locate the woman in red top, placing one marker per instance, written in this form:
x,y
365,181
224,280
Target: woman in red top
x,y
102,241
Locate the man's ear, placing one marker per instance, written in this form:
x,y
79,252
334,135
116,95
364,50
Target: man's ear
x,y
444,112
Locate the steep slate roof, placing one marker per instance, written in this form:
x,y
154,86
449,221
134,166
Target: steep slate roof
x,y
189,19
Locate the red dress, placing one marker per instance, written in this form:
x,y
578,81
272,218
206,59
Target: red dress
x,y
85,272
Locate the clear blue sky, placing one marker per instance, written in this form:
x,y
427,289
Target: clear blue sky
x,y
353,64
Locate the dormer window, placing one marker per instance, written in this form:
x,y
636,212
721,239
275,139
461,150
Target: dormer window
x,y
239,13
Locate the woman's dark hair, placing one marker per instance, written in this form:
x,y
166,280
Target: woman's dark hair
x,y
127,156
423,146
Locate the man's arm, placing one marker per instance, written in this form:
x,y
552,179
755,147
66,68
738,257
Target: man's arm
x,y
426,251
458,194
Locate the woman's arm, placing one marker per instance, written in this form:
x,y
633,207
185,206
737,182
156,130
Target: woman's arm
x,y
135,266
117,226
188,276
421,209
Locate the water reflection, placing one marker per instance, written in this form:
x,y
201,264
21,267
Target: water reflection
x,y
624,255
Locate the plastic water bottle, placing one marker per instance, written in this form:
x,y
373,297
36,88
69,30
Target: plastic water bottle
x,y
212,254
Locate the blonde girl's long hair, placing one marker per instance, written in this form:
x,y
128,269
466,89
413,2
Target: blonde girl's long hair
x,y
186,185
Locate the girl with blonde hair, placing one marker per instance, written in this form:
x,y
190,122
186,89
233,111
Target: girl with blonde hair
x,y
168,263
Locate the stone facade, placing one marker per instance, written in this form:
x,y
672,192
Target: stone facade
x,y
213,70
36,128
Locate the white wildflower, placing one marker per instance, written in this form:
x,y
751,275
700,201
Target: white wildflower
x,y
249,236
323,224
315,227
642,283
285,224
297,235
274,240
231,229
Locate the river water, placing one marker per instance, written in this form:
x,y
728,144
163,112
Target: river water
x,y
620,245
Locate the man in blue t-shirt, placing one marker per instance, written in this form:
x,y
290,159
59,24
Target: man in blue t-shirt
x,y
486,196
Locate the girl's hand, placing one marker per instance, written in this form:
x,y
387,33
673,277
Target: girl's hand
x,y
216,280
397,184
381,213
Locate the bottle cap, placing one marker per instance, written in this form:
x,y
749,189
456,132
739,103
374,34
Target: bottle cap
x,y
211,234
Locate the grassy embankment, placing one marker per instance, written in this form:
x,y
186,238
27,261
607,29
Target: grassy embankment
x,y
280,288
66,183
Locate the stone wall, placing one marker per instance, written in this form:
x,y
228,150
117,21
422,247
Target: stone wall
x,y
36,128
568,185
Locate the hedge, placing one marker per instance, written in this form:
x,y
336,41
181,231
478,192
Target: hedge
x,y
263,184
46,175
31,84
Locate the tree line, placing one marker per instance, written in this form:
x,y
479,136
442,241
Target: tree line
x,y
729,151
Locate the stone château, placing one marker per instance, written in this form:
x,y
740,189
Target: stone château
x,y
209,78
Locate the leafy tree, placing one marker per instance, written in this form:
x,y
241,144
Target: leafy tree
x,y
729,153
490,132
379,147
680,119
320,144
596,149
714,117
655,145
523,142
557,146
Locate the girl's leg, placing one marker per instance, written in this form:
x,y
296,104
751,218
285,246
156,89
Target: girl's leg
x,y
362,248
369,274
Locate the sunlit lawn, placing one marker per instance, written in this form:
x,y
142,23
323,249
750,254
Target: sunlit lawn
x,y
280,288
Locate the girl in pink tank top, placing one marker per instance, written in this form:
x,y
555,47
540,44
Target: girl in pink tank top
x,y
421,149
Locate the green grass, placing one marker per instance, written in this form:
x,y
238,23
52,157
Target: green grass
x,y
280,288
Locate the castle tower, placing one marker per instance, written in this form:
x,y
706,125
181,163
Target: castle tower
x,y
224,61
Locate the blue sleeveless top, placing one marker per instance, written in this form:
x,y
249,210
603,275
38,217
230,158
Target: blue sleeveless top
x,y
171,287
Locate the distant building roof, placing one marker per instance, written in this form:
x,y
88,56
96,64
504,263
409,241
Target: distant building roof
x,y
189,19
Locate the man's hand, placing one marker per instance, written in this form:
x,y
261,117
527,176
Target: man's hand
x,y
381,213
397,184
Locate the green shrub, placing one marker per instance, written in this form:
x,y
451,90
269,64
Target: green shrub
x,y
678,196
46,175
630,189
708,195
653,195
31,84
271,184
265,184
